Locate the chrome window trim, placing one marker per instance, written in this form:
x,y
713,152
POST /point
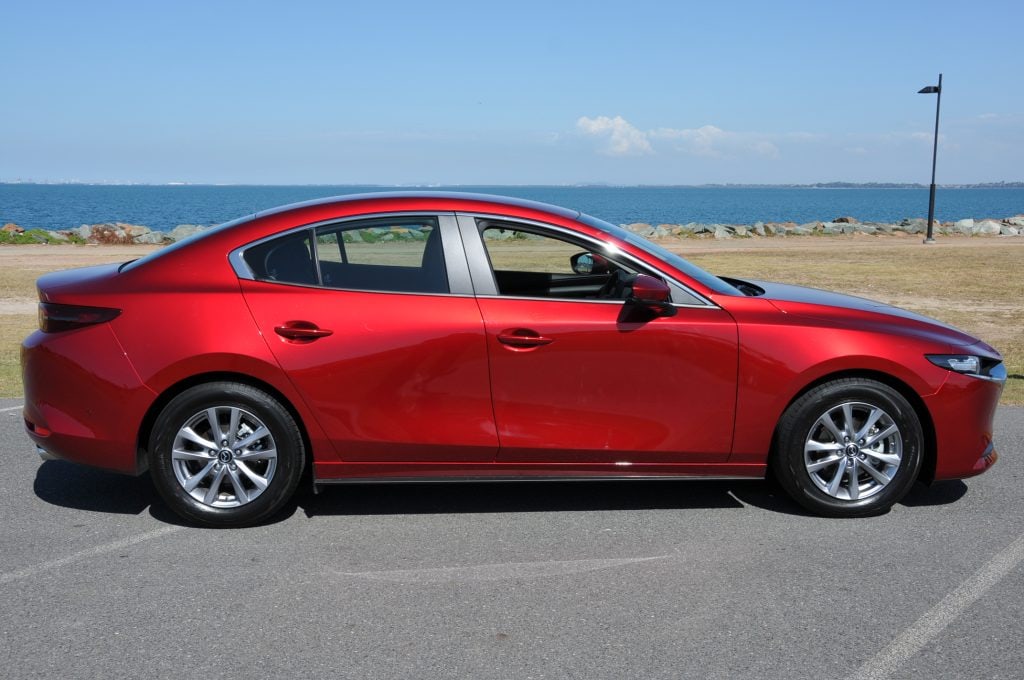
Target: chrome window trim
x,y
620,254
457,269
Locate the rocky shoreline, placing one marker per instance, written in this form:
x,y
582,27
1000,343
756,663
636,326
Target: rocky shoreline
x,y
120,233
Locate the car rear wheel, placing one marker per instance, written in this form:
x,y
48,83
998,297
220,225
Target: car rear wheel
x,y
225,454
848,448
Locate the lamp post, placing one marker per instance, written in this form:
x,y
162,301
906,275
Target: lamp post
x,y
936,90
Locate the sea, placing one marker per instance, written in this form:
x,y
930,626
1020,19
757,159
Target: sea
x,y
162,207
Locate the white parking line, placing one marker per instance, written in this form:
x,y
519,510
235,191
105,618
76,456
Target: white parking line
x,y
12,408
935,620
82,554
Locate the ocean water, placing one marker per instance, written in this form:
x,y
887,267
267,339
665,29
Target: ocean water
x,y
66,206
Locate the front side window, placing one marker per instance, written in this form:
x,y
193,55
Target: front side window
x,y
528,262
403,255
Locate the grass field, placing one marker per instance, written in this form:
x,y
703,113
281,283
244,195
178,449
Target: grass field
x,y
972,283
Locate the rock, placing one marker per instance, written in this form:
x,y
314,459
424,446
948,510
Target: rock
x,y
802,230
132,230
759,228
59,235
1007,230
883,227
864,229
106,233
1016,221
721,231
660,232
150,237
741,231
641,228
183,231
775,229
13,228
964,226
987,228
846,220
914,226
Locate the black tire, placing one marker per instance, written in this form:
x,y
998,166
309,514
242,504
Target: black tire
x,y
249,488
896,457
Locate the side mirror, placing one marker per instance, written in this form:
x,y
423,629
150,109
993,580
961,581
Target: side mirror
x,y
589,263
653,295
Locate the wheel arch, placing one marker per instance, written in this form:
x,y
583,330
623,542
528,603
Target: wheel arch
x,y
149,419
927,472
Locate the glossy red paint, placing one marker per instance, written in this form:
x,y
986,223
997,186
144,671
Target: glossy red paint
x,y
476,384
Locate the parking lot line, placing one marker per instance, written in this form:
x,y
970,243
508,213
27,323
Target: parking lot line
x,y
83,554
496,572
935,620
11,408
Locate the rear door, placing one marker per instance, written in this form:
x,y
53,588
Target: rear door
x,y
375,324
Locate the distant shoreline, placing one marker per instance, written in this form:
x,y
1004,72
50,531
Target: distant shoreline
x,y
582,185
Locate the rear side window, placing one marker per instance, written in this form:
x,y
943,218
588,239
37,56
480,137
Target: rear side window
x,y
287,260
402,255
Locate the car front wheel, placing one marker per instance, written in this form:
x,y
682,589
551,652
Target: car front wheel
x,y
225,454
849,448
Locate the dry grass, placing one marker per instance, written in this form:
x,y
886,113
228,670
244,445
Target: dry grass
x,y
972,283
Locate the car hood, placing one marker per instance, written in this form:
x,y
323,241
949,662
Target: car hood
x,y
810,302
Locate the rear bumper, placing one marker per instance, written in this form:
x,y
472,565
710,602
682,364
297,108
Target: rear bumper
x,y
83,399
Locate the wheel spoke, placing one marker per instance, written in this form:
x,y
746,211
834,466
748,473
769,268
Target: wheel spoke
x,y
874,439
211,416
873,417
814,446
259,454
853,485
241,495
182,454
260,482
211,493
823,463
194,480
848,419
248,441
236,415
830,425
879,476
190,434
833,486
887,458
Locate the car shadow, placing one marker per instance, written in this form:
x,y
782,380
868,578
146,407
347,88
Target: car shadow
x,y
540,496
82,488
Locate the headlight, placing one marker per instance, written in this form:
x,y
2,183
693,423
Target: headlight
x,y
968,364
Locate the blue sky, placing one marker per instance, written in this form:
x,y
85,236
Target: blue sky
x,y
510,93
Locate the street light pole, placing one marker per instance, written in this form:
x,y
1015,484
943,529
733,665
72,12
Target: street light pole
x,y
936,90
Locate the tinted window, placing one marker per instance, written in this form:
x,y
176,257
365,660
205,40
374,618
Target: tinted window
x,y
397,255
287,259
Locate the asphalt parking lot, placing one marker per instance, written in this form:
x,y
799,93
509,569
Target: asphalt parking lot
x,y
523,580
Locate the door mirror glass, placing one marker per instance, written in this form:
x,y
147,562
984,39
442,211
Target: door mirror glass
x,y
589,264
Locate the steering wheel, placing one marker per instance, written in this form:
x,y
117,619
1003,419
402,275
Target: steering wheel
x,y
615,287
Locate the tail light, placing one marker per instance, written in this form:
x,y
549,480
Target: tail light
x,y
54,318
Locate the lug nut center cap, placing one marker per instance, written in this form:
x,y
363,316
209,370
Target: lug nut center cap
x,y
852,449
225,455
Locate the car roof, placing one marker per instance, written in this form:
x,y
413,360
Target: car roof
x,y
450,197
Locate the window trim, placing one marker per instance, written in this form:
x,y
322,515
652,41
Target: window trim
x,y
456,265
483,273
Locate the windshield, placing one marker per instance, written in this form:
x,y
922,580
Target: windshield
x,y
693,271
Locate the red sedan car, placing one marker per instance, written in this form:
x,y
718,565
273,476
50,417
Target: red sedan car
x,y
444,336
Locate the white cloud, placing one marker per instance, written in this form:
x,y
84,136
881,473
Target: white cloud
x,y
623,138
708,141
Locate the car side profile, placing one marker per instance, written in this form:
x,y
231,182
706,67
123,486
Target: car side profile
x,y
418,336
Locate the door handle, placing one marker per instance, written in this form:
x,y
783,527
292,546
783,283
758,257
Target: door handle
x,y
301,331
523,338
